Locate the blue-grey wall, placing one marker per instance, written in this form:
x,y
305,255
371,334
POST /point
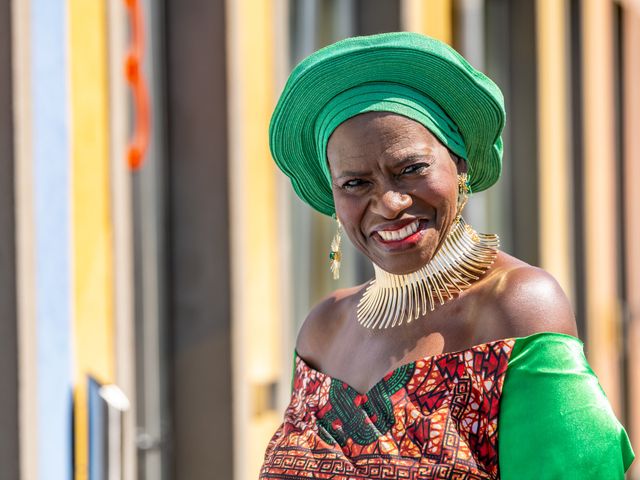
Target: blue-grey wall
x,y
52,212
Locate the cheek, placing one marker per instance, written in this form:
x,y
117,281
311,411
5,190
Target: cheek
x,y
350,212
439,190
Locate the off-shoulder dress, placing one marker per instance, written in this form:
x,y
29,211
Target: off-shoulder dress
x,y
518,408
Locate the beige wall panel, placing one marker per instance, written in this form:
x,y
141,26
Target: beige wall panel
x,y
553,149
283,195
121,207
631,153
25,239
602,306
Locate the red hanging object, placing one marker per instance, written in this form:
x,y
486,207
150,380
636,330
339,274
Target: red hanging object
x,y
139,142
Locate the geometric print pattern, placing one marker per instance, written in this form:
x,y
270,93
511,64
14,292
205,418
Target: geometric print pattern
x,y
436,418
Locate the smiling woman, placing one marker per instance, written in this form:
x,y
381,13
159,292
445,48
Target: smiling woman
x,y
389,173
400,195
457,360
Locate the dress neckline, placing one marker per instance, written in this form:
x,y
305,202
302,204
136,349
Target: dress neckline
x,y
429,358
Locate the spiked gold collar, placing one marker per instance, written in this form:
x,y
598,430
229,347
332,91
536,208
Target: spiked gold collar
x,y
463,258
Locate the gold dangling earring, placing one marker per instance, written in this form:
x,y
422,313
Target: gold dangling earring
x,y
463,193
336,255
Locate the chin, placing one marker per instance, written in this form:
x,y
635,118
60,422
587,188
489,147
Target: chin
x,y
406,261
402,264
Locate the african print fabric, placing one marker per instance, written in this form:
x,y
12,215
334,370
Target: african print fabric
x,y
435,418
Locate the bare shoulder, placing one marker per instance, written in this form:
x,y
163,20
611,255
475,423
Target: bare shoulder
x,y
324,322
529,300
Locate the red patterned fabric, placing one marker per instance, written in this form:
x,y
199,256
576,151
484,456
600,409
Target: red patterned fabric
x,y
436,418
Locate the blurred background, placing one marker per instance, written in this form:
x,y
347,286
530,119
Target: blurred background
x,y
155,266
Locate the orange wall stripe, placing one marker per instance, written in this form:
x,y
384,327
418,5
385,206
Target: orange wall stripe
x,y
135,77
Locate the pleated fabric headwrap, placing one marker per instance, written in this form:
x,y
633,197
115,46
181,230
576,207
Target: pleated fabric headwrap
x,y
404,73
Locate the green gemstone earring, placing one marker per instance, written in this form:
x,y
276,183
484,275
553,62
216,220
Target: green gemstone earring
x,y
463,192
335,255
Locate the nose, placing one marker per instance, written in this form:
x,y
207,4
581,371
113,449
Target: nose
x,y
391,203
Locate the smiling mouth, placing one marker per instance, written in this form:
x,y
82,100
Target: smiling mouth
x,y
400,234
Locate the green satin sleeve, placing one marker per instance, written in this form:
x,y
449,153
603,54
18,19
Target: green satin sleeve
x,y
555,421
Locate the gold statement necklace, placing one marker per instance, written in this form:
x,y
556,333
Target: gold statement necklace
x,y
391,299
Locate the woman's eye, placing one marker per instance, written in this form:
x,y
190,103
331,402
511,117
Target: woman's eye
x,y
351,184
415,168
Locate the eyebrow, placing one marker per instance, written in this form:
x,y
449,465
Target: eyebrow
x,y
415,156
352,174
408,159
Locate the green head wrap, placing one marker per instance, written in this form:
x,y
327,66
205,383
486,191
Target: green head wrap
x,y
405,73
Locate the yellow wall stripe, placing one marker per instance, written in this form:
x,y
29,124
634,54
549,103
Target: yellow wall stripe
x,y
553,152
256,265
430,17
92,230
602,308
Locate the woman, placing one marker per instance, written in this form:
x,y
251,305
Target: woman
x,y
457,360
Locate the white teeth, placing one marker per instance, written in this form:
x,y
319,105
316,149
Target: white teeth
x,y
401,233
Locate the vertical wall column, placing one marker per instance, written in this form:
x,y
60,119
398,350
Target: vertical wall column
x,y
199,249
257,268
497,59
92,233
150,203
469,40
43,224
432,18
122,217
9,438
520,165
554,159
52,178
25,255
282,65
601,243
631,158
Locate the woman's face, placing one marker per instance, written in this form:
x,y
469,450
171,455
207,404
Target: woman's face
x,y
395,188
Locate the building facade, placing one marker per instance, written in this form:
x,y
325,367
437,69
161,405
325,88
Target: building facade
x,y
156,265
